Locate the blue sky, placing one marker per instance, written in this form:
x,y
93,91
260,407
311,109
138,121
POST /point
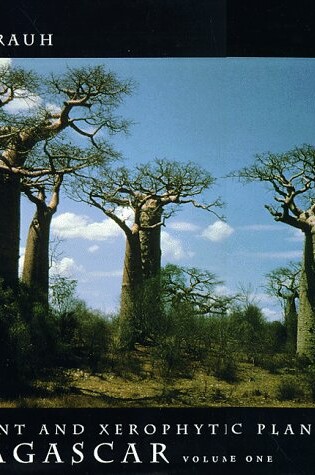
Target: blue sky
x,y
218,113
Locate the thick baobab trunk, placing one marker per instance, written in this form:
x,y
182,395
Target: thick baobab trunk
x,y
10,199
306,318
290,322
10,196
132,274
150,243
36,262
131,292
150,239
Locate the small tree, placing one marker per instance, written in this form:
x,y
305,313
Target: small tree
x,y
56,163
196,287
248,329
283,283
63,294
189,334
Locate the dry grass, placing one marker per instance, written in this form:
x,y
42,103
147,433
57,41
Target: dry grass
x,y
145,387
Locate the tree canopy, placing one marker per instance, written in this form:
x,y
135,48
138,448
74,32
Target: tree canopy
x,y
292,178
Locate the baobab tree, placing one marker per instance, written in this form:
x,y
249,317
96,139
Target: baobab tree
x,y
58,161
283,283
164,186
151,193
84,101
292,178
36,260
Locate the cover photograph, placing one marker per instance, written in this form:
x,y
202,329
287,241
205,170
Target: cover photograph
x,y
157,258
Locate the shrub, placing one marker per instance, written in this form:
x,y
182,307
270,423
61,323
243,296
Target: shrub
x,y
311,385
248,327
16,349
273,363
84,338
218,395
183,341
310,380
226,369
170,359
43,329
276,337
303,363
289,389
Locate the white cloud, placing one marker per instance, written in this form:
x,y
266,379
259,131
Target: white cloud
x,y
184,226
217,231
21,259
66,267
172,247
24,101
5,62
53,108
93,248
70,225
270,314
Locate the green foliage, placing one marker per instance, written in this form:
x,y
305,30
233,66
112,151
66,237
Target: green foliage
x,y
43,328
33,339
276,337
169,357
142,318
303,363
84,338
310,380
273,362
62,294
221,335
184,342
83,334
289,389
15,341
226,369
248,326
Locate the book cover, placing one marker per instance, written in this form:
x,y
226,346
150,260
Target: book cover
x,y
157,174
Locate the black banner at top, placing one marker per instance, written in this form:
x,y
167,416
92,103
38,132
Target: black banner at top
x,y
156,28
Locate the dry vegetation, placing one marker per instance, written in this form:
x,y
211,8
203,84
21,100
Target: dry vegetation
x,y
141,384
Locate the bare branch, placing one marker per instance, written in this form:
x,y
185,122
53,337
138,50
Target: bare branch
x,y
292,176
